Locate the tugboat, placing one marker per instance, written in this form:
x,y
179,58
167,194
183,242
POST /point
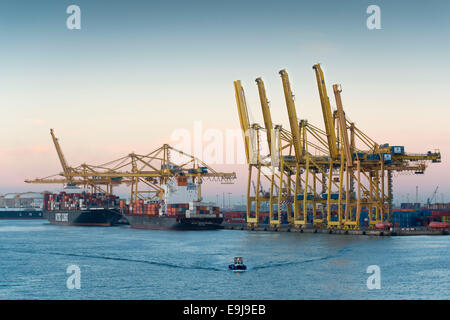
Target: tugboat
x,y
238,265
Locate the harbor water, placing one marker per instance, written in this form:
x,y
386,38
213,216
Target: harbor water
x,y
125,263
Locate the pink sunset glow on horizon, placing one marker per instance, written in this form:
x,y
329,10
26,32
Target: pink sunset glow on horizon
x,y
107,94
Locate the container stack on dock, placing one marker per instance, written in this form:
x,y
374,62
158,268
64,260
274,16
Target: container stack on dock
x,y
409,219
241,217
431,216
235,216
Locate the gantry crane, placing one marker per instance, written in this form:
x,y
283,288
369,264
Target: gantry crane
x,y
433,196
145,174
326,112
83,175
62,159
350,167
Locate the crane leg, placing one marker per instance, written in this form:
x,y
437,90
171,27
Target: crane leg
x,y
390,195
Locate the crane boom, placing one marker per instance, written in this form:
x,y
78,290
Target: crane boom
x,y
243,116
326,111
266,111
150,171
292,113
62,159
343,125
430,200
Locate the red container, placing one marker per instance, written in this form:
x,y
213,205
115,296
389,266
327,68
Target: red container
x,y
440,213
438,225
383,226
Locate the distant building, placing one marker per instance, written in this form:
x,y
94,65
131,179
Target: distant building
x,y
22,200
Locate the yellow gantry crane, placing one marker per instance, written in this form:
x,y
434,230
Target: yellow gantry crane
x,y
62,159
353,171
144,174
265,111
261,167
326,112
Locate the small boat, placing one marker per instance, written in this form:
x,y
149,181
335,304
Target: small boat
x,y
238,265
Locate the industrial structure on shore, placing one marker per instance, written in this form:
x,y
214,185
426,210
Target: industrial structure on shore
x,y
331,178
143,173
25,205
164,193
322,178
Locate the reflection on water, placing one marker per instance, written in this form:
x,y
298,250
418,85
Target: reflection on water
x,y
123,263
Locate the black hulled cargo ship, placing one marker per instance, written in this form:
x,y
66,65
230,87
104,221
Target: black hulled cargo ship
x,y
21,213
174,223
82,209
85,217
26,205
180,209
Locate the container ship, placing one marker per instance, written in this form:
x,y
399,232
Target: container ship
x,y
76,207
180,208
26,205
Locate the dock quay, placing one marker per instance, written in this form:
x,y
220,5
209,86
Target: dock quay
x,y
368,232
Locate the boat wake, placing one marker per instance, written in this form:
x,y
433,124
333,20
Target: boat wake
x,y
271,265
150,262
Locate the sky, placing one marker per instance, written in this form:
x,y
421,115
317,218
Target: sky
x,y
137,72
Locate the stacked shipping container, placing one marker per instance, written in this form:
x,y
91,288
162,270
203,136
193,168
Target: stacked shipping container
x,y
77,201
191,209
140,208
202,209
177,209
413,218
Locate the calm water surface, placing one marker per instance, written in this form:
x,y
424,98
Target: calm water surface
x,y
124,263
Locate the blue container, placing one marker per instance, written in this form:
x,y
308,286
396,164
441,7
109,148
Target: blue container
x,y
334,196
407,219
308,197
387,157
362,217
359,154
373,157
398,149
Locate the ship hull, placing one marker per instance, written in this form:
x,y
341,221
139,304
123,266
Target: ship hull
x,y
21,214
89,217
173,223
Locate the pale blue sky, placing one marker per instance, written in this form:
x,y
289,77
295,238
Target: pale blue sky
x,y
138,70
